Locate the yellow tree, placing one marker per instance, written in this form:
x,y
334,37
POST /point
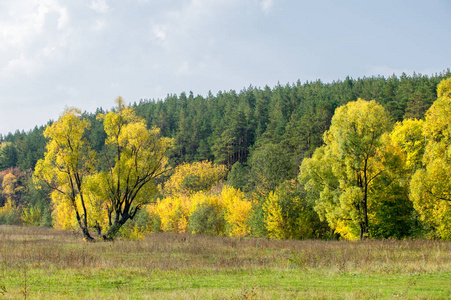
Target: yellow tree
x,y
68,159
194,177
431,185
343,169
236,210
408,136
135,156
9,186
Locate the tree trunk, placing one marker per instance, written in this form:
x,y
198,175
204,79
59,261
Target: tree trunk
x,y
114,229
86,235
364,230
84,228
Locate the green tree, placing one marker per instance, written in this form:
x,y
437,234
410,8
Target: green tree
x,y
206,219
289,214
8,155
270,165
390,210
343,170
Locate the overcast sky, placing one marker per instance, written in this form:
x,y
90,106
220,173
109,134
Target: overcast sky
x,y
86,53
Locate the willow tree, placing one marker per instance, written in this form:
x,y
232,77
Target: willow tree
x,y
431,185
135,156
68,159
342,171
101,193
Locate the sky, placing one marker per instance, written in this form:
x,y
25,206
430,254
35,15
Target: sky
x,y
58,53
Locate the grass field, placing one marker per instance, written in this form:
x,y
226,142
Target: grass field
x,y
40,263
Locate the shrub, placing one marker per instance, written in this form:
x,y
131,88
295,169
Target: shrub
x,y
206,219
10,214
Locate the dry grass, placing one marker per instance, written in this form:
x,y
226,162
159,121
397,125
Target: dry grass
x,y
62,249
201,262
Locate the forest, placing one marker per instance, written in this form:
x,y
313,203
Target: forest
x,y
353,159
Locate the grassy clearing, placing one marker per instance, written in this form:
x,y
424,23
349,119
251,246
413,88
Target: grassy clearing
x,y
39,263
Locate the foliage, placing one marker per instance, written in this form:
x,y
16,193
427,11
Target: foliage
x,y
345,168
270,165
194,177
31,216
172,213
391,213
136,156
408,136
204,212
13,186
431,186
137,228
238,176
10,214
288,214
206,219
237,210
67,161
8,155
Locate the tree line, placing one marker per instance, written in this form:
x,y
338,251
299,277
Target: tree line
x,y
261,137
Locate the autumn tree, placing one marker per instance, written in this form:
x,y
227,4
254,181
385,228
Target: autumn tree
x,y
194,177
135,157
67,161
431,185
103,195
408,136
343,170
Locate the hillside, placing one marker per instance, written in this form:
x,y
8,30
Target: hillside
x,y
254,132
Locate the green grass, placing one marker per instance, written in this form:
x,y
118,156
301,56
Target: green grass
x,y
39,263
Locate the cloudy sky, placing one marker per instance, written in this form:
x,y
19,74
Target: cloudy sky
x,y
85,53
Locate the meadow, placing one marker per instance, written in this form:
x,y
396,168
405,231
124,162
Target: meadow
x,y
43,263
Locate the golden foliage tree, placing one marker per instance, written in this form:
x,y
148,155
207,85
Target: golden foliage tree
x,y
135,156
178,212
104,199
194,177
408,136
431,185
237,210
67,161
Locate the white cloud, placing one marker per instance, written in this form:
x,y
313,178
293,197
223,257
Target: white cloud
x,y
267,5
159,33
183,69
20,65
32,31
99,6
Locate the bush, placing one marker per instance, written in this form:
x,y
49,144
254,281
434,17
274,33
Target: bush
x,y
206,219
257,221
10,214
137,227
289,215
